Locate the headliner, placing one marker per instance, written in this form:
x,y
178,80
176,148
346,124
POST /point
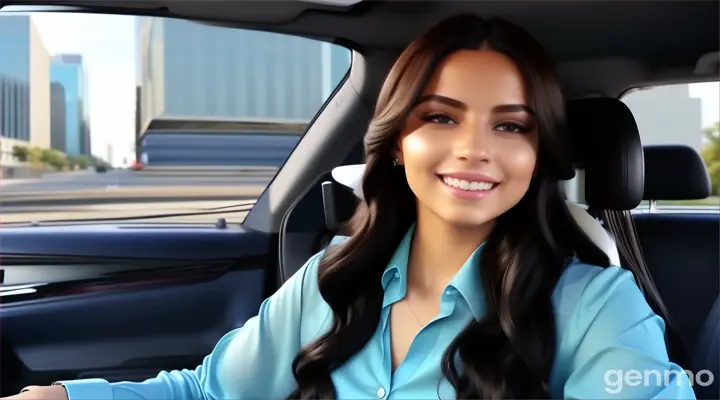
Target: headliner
x,y
614,44
658,33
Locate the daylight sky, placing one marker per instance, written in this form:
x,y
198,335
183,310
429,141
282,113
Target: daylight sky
x,y
107,43
709,93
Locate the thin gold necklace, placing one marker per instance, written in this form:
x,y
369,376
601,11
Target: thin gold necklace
x,y
414,315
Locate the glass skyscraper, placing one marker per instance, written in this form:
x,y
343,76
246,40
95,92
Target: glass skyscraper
x,y
67,72
192,70
24,84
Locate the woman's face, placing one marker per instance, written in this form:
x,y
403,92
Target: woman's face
x,y
469,146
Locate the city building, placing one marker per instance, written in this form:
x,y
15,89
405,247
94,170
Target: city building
x,y
216,74
68,72
109,154
219,142
85,139
24,87
136,152
58,117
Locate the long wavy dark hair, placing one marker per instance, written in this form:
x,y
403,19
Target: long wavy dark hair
x,y
510,352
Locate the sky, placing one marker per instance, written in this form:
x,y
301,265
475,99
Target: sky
x,y
709,94
107,43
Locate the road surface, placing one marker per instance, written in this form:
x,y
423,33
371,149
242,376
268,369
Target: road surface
x,y
125,193
122,186
151,179
233,211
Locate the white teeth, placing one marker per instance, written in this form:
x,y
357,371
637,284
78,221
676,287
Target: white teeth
x,y
467,185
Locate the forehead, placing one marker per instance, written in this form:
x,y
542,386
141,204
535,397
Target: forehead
x,y
479,78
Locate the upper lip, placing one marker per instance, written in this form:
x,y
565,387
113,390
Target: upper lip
x,y
470,177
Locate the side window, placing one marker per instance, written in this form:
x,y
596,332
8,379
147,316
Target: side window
x,y
686,114
149,114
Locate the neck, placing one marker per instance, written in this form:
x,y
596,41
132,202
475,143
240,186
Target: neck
x,y
438,251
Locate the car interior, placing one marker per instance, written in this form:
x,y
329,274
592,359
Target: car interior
x,y
122,301
689,242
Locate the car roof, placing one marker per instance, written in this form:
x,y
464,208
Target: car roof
x,y
656,33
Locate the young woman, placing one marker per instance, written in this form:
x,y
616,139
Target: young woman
x,y
464,274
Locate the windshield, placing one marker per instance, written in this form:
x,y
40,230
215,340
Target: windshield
x,y
106,117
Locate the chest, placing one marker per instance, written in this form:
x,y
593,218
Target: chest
x,y
417,373
370,372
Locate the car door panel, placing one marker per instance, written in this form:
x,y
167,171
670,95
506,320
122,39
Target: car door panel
x,y
69,315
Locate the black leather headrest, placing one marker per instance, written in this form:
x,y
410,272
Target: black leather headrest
x,y
607,147
675,172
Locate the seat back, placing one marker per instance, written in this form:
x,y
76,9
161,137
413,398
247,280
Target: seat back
x,y
681,251
707,356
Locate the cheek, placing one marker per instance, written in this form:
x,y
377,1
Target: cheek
x,y
420,154
415,147
421,151
520,160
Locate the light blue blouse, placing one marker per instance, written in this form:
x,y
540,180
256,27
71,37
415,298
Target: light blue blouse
x,y
610,344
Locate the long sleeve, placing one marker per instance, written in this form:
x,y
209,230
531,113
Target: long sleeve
x,y
251,362
618,344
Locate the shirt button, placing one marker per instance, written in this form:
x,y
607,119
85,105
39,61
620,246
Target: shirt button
x,y
397,274
450,291
381,393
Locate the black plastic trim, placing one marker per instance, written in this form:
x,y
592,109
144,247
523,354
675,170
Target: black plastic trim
x,y
133,241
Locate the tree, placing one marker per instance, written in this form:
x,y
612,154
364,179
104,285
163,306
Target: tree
x,y
711,155
54,158
35,156
81,161
21,153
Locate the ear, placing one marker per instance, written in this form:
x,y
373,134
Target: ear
x,y
397,152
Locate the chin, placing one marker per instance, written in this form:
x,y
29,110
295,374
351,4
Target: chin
x,y
467,219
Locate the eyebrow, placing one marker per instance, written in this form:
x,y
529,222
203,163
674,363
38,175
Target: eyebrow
x,y
503,108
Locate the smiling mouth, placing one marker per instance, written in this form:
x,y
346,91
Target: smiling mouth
x,y
469,186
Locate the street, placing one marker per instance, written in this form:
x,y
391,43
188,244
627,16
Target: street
x,y
150,178
125,193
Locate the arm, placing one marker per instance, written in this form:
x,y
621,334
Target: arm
x,y
620,351
251,362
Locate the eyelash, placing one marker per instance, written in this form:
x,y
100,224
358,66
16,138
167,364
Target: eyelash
x,y
435,117
516,128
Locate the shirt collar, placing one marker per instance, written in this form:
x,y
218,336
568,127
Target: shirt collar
x,y
397,267
467,281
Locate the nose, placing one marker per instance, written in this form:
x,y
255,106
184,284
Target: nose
x,y
472,142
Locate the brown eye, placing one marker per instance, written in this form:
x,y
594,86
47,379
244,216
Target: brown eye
x,y
511,127
438,119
